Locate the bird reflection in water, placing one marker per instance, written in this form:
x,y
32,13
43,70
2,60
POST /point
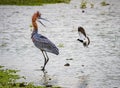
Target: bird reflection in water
x,y
46,79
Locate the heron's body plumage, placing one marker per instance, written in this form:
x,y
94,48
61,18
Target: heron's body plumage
x,y
43,43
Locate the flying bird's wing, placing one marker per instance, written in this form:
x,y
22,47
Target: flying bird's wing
x,y
81,33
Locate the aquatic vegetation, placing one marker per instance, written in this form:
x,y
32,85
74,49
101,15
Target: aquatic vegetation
x,y
102,13
83,4
92,5
1,66
69,59
30,26
75,6
3,44
31,2
61,45
103,3
8,79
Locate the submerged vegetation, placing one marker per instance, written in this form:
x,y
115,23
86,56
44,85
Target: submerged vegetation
x,y
103,3
83,4
8,79
31,2
61,45
92,5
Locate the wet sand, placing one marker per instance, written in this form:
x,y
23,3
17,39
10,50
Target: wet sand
x,y
97,66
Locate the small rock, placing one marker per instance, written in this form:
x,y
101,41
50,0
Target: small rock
x,y
70,59
107,4
50,79
67,64
83,65
83,11
82,72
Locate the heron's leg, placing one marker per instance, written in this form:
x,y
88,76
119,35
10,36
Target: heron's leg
x,y
45,60
47,57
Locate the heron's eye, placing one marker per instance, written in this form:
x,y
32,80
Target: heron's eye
x,y
39,17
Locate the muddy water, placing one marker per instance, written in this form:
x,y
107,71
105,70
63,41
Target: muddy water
x,y
97,66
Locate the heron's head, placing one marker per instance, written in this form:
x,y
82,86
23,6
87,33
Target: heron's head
x,y
38,14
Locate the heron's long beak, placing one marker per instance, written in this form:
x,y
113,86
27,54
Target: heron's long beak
x,y
41,23
43,19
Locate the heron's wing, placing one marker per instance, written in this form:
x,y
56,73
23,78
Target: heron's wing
x,y
44,43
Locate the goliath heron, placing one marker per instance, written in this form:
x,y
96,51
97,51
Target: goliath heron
x,y
40,41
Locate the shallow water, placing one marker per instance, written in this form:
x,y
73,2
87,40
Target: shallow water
x,y
97,66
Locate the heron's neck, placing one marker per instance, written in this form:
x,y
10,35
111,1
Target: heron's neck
x,y
34,32
35,26
34,23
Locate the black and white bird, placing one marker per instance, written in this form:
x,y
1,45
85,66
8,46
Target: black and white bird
x,y
83,38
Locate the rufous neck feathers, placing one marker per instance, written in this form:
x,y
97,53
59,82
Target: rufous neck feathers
x,y
34,18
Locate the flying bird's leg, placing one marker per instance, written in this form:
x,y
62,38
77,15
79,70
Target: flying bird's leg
x,y
44,61
47,57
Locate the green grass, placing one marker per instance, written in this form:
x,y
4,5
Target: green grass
x,y
83,4
31,2
8,79
61,45
92,5
104,3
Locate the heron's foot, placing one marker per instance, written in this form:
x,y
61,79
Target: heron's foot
x,y
43,69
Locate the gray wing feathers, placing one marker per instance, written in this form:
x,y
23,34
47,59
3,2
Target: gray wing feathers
x,y
45,44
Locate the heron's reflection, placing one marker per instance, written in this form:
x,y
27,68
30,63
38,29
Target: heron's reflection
x,y
46,79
